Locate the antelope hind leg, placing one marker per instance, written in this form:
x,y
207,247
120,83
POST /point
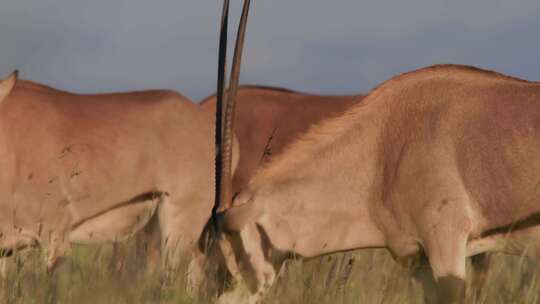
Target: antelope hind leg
x,y
480,267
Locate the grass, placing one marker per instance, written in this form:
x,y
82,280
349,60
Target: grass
x,y
115,274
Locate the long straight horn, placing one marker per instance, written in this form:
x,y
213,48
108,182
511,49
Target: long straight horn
x,y
226,168
221,82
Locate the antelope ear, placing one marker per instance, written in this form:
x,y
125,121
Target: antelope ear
x,y
7,84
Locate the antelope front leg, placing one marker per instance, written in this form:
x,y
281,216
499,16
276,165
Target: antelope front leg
x,y
248,258
423,274
445,234
57,250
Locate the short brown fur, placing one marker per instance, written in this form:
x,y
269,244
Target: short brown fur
x,y
428,162
96,168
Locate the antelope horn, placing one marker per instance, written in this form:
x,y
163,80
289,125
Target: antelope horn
x,y
221,82
225,176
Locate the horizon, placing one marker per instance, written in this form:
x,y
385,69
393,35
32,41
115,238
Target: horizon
x,y
343,48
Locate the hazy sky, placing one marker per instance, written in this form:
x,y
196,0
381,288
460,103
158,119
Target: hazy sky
x,y
340,46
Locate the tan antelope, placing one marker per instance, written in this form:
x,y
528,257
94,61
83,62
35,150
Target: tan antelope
x,y
96,168
442,161
269,118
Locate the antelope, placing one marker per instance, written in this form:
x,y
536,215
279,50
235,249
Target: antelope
x,y
92,169
441,163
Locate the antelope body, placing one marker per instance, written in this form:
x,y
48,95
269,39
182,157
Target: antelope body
x,y
441,162
96,168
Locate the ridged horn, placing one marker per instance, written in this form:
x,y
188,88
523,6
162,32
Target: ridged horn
x,y
224,136
221,83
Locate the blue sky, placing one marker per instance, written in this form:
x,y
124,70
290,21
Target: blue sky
x,y
319,46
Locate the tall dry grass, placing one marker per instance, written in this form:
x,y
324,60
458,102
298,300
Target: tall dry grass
x,y
115,274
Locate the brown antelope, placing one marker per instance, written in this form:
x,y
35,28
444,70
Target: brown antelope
x,y
442,161
268,118
96,168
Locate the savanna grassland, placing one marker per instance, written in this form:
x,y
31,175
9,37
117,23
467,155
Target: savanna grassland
x,y
115,274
